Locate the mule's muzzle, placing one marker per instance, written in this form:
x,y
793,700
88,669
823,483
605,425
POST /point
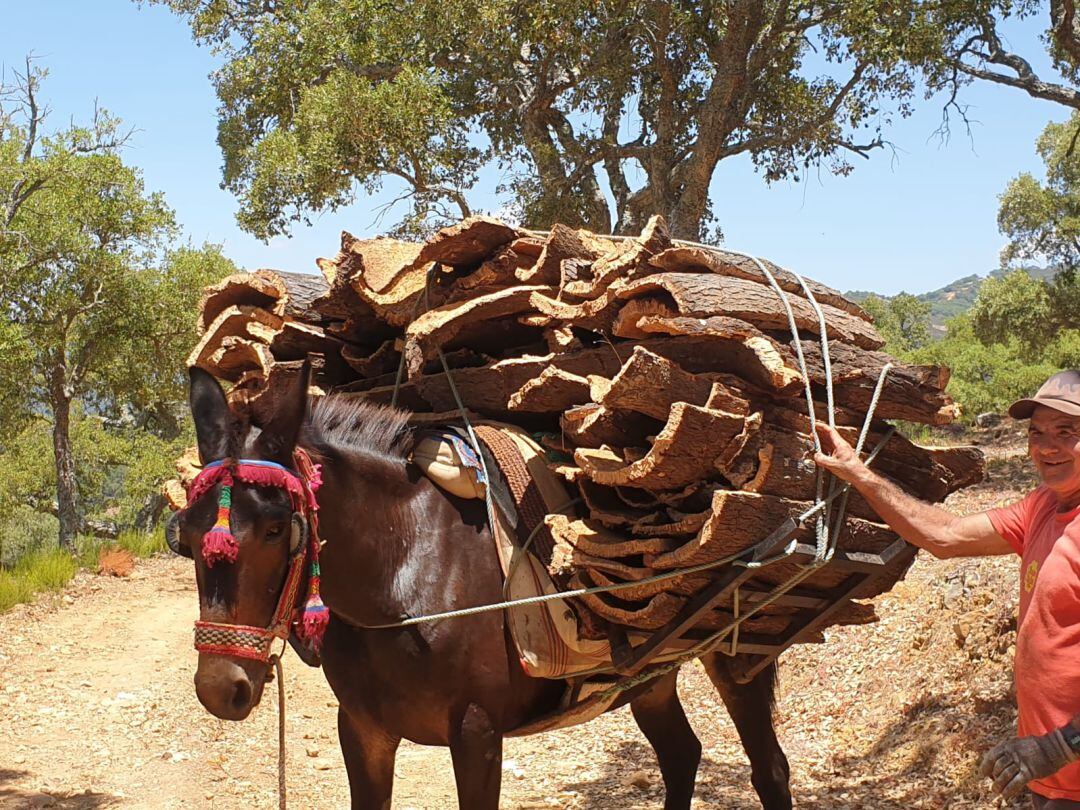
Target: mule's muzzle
x,y
227,688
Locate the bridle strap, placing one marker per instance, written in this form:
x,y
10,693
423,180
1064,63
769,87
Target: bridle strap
x,y
245,641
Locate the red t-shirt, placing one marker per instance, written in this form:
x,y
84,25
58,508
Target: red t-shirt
x,y
1047,665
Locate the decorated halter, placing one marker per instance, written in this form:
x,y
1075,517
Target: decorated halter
x,y
219,545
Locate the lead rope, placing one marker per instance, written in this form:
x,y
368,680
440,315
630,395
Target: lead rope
x,y
276,659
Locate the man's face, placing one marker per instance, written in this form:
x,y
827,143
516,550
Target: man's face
x,y
1054,447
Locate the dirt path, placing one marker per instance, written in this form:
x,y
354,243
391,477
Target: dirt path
x,y
98,709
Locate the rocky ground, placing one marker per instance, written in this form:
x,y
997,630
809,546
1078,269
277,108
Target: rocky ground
x,y
97,706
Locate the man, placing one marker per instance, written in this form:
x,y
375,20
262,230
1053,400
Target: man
x,y
1044,530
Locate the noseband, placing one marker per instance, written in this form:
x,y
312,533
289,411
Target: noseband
x,y
219,545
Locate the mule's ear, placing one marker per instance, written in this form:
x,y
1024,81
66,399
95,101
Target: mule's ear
x,y
210,411
281,431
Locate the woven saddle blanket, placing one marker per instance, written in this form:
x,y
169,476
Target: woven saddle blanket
x,y
523,490
548,635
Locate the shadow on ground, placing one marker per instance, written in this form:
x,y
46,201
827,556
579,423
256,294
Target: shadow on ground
x,y
16,798
900,770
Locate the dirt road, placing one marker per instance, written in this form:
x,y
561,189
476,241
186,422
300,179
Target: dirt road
x,y
98,709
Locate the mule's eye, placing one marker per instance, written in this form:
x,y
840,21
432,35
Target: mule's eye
x,y
276,531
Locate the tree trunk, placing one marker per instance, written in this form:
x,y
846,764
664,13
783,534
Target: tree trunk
x,y
67,492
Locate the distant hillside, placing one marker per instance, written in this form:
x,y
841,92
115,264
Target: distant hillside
x,y
955,297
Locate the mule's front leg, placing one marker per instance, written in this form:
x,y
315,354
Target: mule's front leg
x,y
476,749
369,759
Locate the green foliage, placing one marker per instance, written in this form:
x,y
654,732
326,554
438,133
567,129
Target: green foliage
x,y
903,321
45,568
1042,219
14,590
988,377
96,317
1014,307
320,98
24,529
143,544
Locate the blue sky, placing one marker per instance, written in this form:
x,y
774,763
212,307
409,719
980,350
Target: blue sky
x,y
913,219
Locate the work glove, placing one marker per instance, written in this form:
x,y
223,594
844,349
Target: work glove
x,y
1015,763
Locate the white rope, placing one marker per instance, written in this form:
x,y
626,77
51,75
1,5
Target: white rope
x,y
826,537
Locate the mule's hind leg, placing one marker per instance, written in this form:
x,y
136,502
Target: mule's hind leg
x,y
659,714
476,749
750,706
369,760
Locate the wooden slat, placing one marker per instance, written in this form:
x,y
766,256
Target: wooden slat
x,y
701,603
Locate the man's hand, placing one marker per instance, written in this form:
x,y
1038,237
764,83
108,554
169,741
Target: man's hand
x,y
1015,763
837,456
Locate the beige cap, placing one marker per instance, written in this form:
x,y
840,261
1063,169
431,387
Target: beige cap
x,y
1061,392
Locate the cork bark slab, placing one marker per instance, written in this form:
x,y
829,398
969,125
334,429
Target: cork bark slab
x,y
683,452
383,360
650,384
237,356
703,295
629,260
468,242
563,243
493,274
593,425
377,263
758,358
300,292
684,585
439,327
588,538
238,289
783,467
741,519
655,612
685,258
245,322
553,391
913,393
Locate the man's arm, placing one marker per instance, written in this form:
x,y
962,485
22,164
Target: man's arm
x,y
929,527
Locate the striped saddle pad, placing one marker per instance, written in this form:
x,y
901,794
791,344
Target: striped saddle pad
x,y
547,634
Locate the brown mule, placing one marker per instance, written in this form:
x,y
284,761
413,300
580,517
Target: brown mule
x,y
397,545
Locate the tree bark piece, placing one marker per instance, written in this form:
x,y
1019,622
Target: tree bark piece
x,y
702,295
563,243
467,243
439,327
553,391
914,393
751,354
741,519
684,451
651,384
238,289
627,261
240,322
682,258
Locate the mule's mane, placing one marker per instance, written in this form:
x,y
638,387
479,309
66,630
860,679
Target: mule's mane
x,y
347,423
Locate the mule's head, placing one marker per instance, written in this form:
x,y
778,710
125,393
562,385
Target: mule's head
x,y
243,586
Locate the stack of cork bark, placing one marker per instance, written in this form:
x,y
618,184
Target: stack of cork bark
x,y
663,378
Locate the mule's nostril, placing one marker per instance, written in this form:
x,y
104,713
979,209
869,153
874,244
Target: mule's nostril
x,y
241,695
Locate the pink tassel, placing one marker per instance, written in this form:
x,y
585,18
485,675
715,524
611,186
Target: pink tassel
x,y
316,615
314,622
218,545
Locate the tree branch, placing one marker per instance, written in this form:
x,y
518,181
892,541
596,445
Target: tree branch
x,y
1025,79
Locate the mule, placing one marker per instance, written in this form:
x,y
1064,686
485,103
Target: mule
x,y
397,545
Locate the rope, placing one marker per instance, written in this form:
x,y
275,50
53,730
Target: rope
x,y
276,659
826,535
733,559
